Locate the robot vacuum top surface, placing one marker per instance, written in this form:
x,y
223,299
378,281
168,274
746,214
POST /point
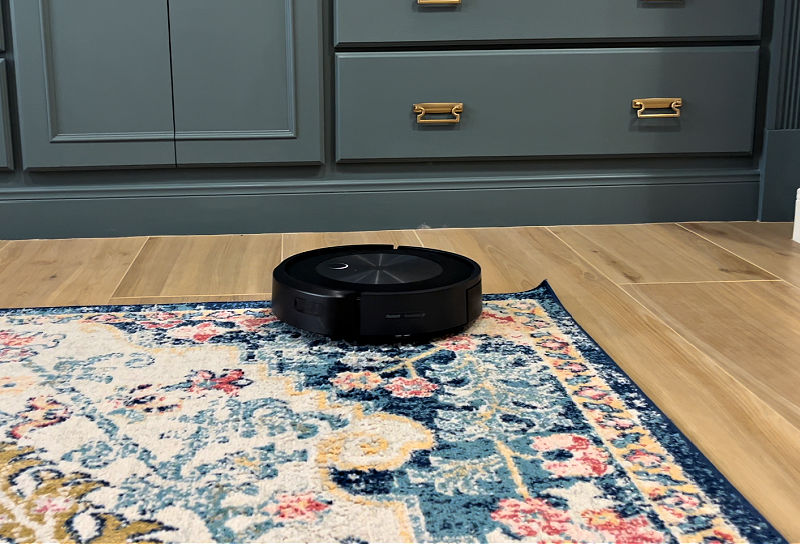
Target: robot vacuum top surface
x,y
377,268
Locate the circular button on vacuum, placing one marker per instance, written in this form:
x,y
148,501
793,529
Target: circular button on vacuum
x,y
377,291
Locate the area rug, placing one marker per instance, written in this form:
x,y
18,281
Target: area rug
x,y
216,422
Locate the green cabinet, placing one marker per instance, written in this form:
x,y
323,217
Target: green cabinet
x,y
210,116
246,81
2,33
546,102
409,22
121,83
6,158
93,82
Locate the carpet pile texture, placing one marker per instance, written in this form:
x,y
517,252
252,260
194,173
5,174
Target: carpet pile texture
x,y
216,422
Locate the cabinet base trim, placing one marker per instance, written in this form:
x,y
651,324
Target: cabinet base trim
x,y
376,210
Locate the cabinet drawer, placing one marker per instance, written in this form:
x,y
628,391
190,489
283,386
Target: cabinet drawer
x,y
403,21
524,103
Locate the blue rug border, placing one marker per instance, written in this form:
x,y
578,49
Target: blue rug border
x,y
757,528
732,503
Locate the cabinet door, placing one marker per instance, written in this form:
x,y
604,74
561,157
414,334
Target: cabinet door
x,y
2,32
6,158
246,81
93,82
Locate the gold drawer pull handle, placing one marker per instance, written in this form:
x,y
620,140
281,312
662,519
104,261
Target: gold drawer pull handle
x,y
454,108
642,104
438,2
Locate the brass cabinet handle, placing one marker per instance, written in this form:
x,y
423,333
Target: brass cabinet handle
x,y
438,2
643,104
454,108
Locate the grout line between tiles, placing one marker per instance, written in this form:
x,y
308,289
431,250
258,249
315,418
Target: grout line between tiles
x,y
128,269
174,298
731,252
419,238
699,281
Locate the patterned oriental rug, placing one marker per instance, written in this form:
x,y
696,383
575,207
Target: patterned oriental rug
x,y
215,422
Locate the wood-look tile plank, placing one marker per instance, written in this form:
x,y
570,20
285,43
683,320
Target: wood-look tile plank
x,y
177,299
202,265
503,253
305,241
63,272
754,446
752,329
3,243
656,253
768,245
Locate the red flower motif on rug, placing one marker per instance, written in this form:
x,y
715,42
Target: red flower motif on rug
x,y
14,355
53,504
297,508
21,346
42,412
458,343
644,458
251,323
587,459
635,530
199,333
406,388
555,344
161,320
8,338
150,400
612,422
591,393
502,319
246,321
231,382
347,381
532,517
720,537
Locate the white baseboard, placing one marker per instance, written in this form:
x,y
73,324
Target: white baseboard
x,y
796,233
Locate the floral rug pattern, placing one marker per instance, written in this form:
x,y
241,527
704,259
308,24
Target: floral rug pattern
x,y
216,422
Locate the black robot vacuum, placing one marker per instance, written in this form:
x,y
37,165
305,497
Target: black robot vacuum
x,y
377,292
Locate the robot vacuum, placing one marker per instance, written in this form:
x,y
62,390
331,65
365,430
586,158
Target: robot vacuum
x,y
377,292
